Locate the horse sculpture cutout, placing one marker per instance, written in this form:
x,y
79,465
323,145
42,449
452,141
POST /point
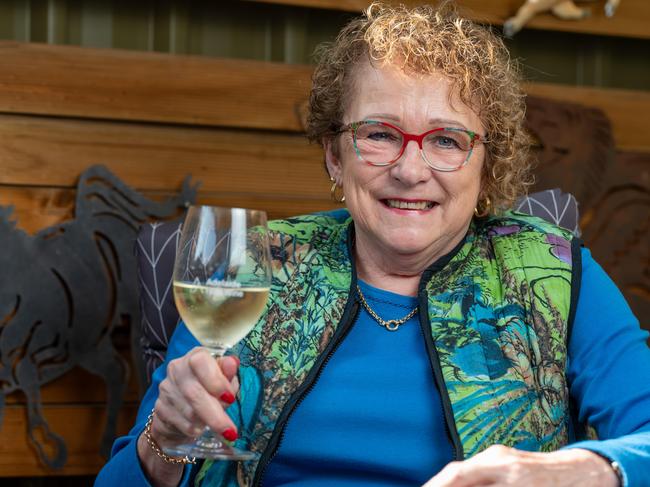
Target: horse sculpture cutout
x,y
564,9
64,291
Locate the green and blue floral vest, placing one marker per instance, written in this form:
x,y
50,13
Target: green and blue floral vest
x,y
496,311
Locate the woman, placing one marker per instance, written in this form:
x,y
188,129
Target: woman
x,y
498,336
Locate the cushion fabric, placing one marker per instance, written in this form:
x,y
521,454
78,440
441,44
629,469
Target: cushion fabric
x,y
155,251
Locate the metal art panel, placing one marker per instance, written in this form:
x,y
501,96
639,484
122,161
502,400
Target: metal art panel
x,y
63,292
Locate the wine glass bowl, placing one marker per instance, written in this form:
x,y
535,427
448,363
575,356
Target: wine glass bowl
x,y
222,278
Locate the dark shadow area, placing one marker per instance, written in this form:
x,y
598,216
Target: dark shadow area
x,y
76,481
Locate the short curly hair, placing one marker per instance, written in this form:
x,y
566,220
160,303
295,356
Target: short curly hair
x,y
424,40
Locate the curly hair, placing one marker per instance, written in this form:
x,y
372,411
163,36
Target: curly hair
x,y
424,40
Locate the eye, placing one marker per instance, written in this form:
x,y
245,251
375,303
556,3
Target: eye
x,y
445,142
378,134
381,135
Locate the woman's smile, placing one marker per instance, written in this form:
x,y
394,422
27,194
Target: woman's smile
x,y
408,206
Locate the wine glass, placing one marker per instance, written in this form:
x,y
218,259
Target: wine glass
x,y
222,277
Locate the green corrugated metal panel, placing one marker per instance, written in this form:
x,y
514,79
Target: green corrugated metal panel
x,y
228,28
580,59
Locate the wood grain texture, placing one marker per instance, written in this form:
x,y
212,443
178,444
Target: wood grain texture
x,y
53,152
130,85
616,228
80,425
624,108
36,208
631,19
122,85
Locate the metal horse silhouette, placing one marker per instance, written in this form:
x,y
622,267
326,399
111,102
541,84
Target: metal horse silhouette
x,y
64,290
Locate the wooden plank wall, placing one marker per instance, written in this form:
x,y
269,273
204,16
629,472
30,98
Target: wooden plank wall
x,y
153,119
65,108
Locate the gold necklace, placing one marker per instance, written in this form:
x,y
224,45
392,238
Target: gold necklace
x,y
390,325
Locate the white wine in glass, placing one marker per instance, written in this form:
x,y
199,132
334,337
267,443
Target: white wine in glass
x,y
219,316
222,277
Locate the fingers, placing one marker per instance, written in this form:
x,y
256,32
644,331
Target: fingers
x,y
448,476
169,427
195,394
503,466
229,366
464,474
211,375
492,466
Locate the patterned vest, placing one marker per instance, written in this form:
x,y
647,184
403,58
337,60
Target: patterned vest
x,y
497,314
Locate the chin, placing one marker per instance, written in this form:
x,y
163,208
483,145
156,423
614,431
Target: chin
x,y
408,242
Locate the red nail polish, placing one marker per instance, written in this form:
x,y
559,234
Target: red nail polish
x,y
227,397
230,434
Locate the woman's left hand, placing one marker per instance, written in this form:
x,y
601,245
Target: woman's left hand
x,y
501,466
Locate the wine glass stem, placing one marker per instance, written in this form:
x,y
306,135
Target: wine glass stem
x,y
216,352
209,439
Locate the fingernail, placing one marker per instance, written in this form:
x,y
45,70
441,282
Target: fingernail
x,y
227,397
237,359
230,434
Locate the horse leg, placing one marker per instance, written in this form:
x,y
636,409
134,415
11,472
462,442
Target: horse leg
x,y
105,362
570,11
526,12
39,431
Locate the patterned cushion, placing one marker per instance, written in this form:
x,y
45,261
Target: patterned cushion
x,y
156,249
554,206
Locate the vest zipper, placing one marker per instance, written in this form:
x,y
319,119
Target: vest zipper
x,y
347,321
434,360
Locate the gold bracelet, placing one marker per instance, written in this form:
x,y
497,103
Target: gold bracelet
x,y
156,449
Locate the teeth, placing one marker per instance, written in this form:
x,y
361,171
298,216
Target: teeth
x,y
410,205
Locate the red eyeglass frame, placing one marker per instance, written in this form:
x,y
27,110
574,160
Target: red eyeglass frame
x,y
407,137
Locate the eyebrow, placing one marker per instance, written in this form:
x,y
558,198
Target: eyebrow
x,y
437,122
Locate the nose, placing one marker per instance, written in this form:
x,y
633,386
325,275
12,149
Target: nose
x,y
411,168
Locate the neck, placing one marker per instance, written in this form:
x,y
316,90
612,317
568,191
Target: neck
x,y
406,285
398,273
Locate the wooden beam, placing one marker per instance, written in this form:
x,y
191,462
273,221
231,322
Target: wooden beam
x,y
81,427
121,85
36,208
631,19
38,151
129,85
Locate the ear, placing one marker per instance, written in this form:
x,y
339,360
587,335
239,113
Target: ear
x,y
332,160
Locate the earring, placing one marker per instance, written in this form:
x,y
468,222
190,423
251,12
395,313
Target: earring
x,y
485,211
333,195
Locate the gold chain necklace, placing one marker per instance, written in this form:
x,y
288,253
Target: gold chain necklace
x,y
390,325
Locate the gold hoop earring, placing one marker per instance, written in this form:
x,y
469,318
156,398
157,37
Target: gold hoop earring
x,y
333,195
485,208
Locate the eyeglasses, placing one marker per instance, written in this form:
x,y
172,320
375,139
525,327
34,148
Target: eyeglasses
x,y
381,144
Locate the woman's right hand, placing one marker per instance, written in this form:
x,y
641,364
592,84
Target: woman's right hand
x,y
194,394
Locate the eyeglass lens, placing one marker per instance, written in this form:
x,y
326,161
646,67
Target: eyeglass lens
x,y
380,144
